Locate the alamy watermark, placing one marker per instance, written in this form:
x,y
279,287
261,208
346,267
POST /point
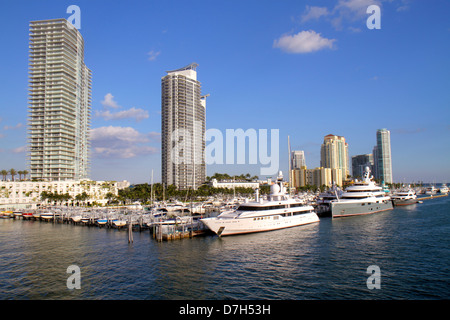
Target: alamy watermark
x,y
236,146
75,18
74,280
374,20
374,280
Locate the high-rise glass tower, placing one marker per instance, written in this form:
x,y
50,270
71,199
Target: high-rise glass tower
x,y
183,129
334,155
59,102
384,159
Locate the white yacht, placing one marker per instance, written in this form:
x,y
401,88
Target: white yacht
x,y
443,189
363,197
431,190
277,212
404,197
325,198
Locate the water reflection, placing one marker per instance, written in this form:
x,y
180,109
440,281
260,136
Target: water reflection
x,y
327,260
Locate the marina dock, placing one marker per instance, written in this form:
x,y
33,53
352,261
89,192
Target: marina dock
x,y
167,228
432,197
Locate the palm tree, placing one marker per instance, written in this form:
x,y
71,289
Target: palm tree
x,y
20,173
25,173
13,173
4,173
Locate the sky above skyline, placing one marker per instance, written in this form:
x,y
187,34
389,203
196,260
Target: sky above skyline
x,y
306,68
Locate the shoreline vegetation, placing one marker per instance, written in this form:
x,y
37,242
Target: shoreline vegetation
x,y
146,193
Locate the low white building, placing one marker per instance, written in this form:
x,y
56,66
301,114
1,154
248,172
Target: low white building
x,y
234,184
27,194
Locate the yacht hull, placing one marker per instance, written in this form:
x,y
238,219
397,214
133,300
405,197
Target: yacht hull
x,y
226,227
404,202
354,208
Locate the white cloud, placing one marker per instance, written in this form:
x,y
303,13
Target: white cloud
x,y
109,102
343,13
314,13
153,54
120,142
303,42
17,126
137,114
22,149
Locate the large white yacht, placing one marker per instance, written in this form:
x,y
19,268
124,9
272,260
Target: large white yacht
x,y
278,211
443,189
363,197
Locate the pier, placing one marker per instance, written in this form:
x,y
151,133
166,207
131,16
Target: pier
x,y
167,227
175,228
433,196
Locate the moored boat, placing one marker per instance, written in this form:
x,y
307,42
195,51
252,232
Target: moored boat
x,y
403,197
443,189
76,218
363,197
279,211
27,215
431,190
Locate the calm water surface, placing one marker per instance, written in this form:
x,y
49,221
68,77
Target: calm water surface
x,y
327,260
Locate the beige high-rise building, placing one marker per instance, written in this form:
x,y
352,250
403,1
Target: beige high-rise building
x,y
183,112
59,102
334,155
313,177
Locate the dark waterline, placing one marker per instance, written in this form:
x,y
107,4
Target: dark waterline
x,y
327,260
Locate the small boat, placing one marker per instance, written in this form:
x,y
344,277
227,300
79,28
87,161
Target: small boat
x,y
85,220
36,215
102,222
27,215
76,219
431,190
6,214
403,197
443,189
17,214
119,223
47,215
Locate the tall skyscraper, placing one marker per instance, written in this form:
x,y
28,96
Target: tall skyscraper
x,y
59,102
297,159
334,155
384,159
359,163
183,124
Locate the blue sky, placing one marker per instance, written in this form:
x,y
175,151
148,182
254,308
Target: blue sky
x,y
307,68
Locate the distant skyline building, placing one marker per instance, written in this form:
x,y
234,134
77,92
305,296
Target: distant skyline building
x,y
383,156
334,155
360,162
297,159
183,125
59,102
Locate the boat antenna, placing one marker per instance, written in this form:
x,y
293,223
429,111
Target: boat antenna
x,y
151,189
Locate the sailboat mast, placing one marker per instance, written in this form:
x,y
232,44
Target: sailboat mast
x,y
289,160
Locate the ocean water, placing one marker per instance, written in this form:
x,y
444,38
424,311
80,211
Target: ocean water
x,y
323,261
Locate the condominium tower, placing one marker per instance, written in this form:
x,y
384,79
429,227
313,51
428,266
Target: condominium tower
x,y
297,159
183,129
382,156
59,102
334,155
